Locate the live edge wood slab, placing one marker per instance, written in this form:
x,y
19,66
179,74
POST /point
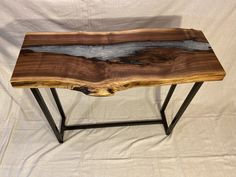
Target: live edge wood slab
x,y
101,63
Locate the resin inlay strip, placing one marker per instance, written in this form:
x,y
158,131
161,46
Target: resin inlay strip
x,y
108,52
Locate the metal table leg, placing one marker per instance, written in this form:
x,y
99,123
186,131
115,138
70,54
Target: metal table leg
x,y
60,134
47,113
188,99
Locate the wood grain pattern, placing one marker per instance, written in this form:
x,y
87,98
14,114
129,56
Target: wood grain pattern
x,y
93,76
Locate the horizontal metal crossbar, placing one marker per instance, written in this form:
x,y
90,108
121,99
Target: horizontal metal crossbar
x,y
113,124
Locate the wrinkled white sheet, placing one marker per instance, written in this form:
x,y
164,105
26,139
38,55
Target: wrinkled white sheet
x,y
204,141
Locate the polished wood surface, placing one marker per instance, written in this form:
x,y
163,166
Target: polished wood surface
x,y
169,62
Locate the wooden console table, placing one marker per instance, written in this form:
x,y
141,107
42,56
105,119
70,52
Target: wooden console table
x,y
101,63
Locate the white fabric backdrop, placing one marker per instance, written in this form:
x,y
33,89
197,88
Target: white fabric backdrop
x,y
203,143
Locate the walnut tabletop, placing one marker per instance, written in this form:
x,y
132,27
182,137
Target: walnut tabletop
x,y
101,63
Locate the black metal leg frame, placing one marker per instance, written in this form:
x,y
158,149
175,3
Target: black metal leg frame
x,y
60,133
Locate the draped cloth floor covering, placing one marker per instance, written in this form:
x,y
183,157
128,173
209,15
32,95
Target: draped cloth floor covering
x,y
203,143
